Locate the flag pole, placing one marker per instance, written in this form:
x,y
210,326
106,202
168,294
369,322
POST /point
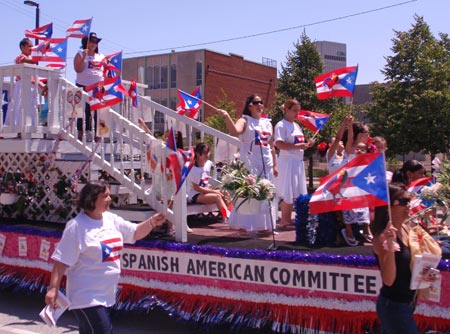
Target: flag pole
x,y
387,191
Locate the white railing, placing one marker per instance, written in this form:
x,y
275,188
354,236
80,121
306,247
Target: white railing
x,y
123,152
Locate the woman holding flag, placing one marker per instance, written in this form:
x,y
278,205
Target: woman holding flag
x,y
289,139
258,154
396,301
88,64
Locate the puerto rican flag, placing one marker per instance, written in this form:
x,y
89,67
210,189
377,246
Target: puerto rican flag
x,y
360,183
171,142
299,139
188,162
113,65
43,32
313,121
415,187
79,28
262,137
111,249
105,93
340,82
189,104
132,93
53,50
204,181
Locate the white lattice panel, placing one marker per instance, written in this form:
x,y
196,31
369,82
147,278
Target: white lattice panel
x,y
43,204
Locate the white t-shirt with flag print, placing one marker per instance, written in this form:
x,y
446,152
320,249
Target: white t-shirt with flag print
x,y
91,248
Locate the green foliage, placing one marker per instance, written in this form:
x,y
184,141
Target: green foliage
x,y
412,109
218,122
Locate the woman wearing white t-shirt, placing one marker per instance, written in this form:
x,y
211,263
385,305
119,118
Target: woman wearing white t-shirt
x,y
89,66
289,139
89,254
258,154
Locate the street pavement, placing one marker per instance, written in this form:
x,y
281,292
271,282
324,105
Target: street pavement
x,y
19,314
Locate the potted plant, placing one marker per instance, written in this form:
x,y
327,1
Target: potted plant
x,y
8,189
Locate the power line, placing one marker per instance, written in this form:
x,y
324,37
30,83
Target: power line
x,y
275,31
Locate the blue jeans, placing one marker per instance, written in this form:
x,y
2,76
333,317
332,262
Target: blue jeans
x,y
94,320
396,318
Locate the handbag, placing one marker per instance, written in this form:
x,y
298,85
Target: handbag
x,y
421,242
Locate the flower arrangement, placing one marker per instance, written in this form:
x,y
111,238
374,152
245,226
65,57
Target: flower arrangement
x,y
237,179
436,195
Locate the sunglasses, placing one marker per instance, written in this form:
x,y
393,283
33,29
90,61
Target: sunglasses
x,y
255,103
403,201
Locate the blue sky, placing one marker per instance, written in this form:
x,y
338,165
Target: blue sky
x,y
140,27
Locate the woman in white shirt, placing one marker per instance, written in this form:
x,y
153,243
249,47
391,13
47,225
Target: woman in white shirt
x,y
289,139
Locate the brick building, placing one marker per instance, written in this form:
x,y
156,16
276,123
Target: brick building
x,y
217,74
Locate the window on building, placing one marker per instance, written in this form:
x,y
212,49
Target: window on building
x,y
337,58
198,74
159,117
173,76
173,102
149,77
156,77
164,77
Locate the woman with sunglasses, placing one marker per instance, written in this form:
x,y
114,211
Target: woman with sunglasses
x,y
258,154
396,301
89,66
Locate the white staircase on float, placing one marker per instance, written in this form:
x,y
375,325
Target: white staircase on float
x,y
126,148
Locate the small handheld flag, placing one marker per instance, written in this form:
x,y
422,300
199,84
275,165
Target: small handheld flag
x,y
340,82
360,183
189,104
79,28
53,50
43,32
313,121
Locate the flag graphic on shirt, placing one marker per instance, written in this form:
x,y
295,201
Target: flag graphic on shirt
x,y
299,139
111,249
360,183
53,50
43,32
339,82
313,121
79,28
204,180
189,104
262,137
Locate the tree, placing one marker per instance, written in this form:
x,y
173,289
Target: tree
x,y
296,80
412,109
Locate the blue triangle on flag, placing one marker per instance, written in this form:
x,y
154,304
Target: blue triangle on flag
x,y
372,178
106,251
